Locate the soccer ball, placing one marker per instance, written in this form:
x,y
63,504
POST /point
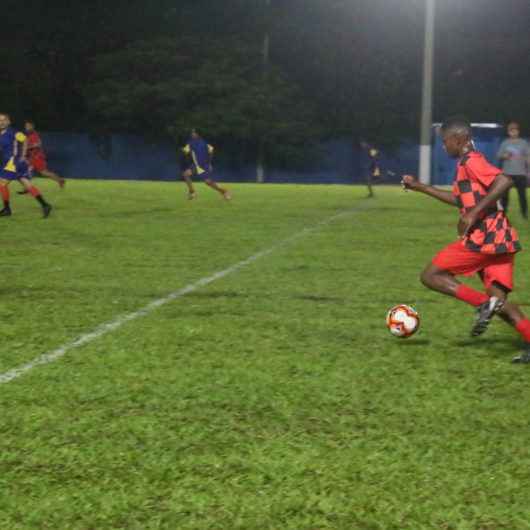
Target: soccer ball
x,y
403,321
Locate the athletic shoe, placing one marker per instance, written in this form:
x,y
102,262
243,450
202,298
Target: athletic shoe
x,y
485,313
524,358
46,210
23,192
227,196
62,183
6,212
192,195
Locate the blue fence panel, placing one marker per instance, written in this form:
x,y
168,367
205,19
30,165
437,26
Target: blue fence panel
x,y
342,162
345,163
110,157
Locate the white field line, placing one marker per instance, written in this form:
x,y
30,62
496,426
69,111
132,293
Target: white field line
x,y
118,322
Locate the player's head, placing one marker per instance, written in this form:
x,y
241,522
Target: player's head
x,y
457,137
5,121
29,126
195,134
514,130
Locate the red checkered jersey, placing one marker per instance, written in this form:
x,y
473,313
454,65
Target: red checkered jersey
x,y
34,145
493,233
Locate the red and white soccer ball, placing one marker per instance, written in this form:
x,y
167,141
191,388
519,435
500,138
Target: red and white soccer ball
x,y
403,321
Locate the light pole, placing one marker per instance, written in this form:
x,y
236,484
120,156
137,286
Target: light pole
x,y
426,108
260,169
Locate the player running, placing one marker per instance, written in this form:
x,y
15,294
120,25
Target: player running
x,y
487,243
37,156
199,155
14,166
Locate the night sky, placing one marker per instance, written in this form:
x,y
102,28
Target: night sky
x,y
355,63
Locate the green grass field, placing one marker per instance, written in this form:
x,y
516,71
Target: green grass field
x,y
273,398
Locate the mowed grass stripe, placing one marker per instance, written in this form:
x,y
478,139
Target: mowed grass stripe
x,y
109,327
112,247
274,398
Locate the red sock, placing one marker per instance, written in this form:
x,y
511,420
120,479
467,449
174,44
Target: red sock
x,y
34,191
4,190
523,327
470,296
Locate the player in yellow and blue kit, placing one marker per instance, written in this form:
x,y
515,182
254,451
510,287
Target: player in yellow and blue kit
x,y
198,163
14,165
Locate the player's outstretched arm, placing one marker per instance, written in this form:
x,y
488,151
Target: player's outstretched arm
x,y
498,189
24,154
411,183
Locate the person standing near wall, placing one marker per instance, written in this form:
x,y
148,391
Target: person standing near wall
x,y
373,171
514,153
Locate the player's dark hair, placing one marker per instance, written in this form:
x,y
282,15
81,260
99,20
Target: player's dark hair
x,y
458,126
30,121
6,115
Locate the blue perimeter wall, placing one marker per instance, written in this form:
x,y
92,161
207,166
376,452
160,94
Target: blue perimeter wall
x,y
134,158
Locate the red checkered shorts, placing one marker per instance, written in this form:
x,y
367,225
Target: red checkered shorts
x,y
492,268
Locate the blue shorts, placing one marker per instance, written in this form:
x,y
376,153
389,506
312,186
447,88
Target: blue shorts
x,y
205,175
22,170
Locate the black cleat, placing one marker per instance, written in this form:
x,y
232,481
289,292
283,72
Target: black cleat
x,y
23,192
485,313
46,210
6,212
524,358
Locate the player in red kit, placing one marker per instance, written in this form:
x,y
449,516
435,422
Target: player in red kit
x,y
487,243
37,156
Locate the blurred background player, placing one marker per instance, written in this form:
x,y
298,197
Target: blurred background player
x,y
514,154
487,244
37,156
373,171
14,147
199,156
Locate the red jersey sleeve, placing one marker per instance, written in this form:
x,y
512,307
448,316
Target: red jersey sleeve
x,y
480,170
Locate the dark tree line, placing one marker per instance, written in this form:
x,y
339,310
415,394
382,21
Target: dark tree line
x,y
338,68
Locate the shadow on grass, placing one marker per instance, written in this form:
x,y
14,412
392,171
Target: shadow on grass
x,y
494,342
411,343
134,213
496,347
